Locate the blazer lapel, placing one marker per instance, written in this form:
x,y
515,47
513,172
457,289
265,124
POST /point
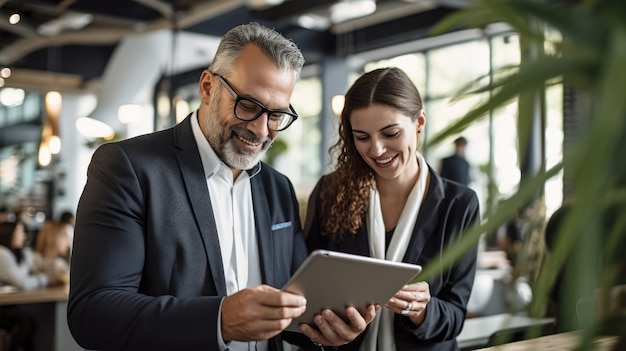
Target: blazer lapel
x,y
193,176
263,224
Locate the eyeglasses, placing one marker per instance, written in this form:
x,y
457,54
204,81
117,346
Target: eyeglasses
x,y
249,109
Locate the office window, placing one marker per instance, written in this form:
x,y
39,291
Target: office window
x,y
301,161
414,65
452,68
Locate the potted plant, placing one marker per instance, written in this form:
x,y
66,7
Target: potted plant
x,y
590,57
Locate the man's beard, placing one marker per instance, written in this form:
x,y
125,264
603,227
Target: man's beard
x,y
221,138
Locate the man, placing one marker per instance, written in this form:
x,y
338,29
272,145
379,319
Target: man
x,y
456,167
183,238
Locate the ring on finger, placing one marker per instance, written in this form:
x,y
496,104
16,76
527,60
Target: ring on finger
x,y
406,311
316,343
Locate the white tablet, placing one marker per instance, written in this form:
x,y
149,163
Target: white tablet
x,y
336,280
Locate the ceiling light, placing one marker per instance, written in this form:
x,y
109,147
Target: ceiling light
x,y
336,104
163,104
50,140
54,144
130,113
12,97
5,72
44,156
182,109
14,18
93,128
313,22
262,4
349,9
54,101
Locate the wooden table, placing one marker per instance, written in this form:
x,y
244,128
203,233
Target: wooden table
x,y
477,331
556,342
49,308
54,294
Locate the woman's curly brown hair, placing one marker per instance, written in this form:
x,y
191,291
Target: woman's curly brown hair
x,y
345,192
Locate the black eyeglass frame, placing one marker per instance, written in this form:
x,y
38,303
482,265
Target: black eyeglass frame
x,y
293,114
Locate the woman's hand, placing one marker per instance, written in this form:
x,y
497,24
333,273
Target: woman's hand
x,y
411,301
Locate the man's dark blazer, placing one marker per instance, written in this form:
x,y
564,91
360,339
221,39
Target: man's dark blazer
x,y
456,168
446,211
146,267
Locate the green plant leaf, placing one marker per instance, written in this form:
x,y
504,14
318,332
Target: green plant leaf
x,y
505,210
531,77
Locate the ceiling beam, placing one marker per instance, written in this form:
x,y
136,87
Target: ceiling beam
x,y
290,9
44,81
107,35
384,13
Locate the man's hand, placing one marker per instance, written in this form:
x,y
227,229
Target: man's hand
x,y
334,331
259,313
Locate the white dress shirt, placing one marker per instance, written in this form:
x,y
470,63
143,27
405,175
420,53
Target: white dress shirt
x,y
234,215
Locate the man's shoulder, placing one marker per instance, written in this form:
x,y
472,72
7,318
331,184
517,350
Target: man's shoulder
x,y
154,142
450,158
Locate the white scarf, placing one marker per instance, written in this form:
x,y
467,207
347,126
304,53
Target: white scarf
x,y
380,332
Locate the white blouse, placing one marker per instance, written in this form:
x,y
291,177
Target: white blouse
x,y
19,274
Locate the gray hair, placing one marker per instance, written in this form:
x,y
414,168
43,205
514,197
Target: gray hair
x,y
280,50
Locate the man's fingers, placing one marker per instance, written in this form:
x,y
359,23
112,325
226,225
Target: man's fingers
x,y
259,313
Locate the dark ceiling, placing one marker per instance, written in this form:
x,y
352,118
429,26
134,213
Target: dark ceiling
x,y
77,37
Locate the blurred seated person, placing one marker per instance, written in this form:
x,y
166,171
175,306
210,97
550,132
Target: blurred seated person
x,y
16,260
493,259
563,305
68,218
555,297
16,263
566,304
510,236
52,250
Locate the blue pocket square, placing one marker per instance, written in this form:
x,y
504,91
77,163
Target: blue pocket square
x,y
281,225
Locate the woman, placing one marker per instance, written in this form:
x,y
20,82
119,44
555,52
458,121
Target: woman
x,y
16,261
383,200
53,249
15,270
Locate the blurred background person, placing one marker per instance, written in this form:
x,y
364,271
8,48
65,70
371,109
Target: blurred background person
x,y
16,260
455,167
69,219
6,215
16,263
52,250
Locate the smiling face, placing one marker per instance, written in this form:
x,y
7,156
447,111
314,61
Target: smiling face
x,y
241,144
386,139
